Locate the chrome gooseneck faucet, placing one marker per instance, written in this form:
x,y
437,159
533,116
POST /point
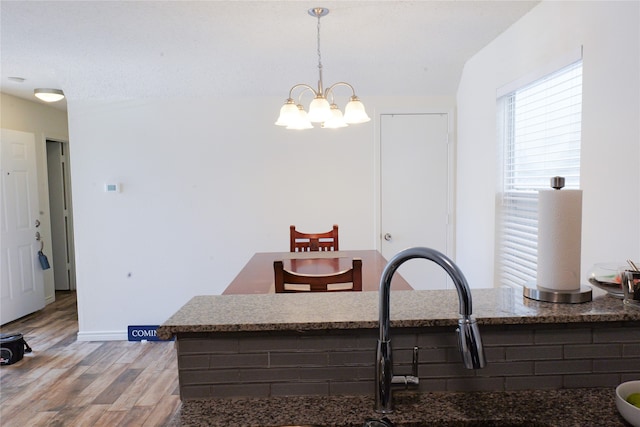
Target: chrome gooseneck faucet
x,y
469,340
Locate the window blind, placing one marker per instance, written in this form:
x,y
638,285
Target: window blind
x,y
541,133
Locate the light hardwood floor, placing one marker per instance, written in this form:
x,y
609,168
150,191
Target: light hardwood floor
x,y
65,382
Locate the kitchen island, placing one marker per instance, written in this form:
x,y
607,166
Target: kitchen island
x,y
356,310
265,350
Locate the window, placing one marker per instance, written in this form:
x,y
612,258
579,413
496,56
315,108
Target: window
x,y
541,129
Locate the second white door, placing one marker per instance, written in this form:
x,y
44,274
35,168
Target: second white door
x,y
416,192
21,277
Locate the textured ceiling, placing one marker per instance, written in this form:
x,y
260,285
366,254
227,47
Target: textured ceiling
x,y
144,49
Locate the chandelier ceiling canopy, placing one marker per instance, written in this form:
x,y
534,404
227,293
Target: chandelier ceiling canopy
x,y
322,108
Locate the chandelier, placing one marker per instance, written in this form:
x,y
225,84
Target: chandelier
x,y
322,109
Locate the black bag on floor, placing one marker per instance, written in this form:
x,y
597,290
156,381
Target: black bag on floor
x,y
12,348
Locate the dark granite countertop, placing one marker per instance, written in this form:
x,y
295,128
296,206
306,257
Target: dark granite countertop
x,y
354,310
539,408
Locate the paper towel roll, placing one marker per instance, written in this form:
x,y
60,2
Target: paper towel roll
x,y
559,239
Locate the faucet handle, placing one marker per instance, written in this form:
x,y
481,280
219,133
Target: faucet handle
x,y
406,381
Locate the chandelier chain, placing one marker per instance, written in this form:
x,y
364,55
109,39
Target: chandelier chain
x,y
319,53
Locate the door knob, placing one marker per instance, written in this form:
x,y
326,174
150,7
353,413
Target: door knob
x,y
387,237
37,223
37,235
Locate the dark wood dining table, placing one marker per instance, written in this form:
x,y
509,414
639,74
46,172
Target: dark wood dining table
x,y
257,276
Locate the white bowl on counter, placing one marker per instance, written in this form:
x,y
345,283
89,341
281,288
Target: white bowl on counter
x,y
628,411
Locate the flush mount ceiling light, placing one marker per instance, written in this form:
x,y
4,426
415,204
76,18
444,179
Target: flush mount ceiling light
x,y
294,116
49,95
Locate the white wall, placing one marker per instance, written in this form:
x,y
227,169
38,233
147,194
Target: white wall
x,y
45,123
610,177
205,184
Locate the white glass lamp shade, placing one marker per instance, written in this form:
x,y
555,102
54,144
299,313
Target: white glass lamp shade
x,y
288,113
301,121
354,112
336,120
48,95
319,110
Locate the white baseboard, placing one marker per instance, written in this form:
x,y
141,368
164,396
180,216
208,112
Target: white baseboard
x,y
103,336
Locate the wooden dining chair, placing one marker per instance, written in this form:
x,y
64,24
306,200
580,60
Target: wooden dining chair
x,y
308,242
317,282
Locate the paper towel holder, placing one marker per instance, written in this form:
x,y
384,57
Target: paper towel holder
x,y
539,293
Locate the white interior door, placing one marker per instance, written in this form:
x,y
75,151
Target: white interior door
x,y
415,196
22,280
61,218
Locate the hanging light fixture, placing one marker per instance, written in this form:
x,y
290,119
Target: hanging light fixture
x,y
48,95
293,115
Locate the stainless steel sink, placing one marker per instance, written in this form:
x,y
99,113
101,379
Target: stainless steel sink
x,y
458,423
476,423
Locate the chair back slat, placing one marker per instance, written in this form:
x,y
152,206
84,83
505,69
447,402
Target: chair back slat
x,y
312,242
316,282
